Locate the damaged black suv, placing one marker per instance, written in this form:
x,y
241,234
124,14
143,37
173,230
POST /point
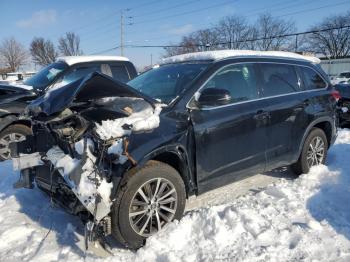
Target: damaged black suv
x,y
125,157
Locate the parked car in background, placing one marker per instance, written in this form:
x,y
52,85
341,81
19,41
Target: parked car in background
x,y
14,98
11,78
126,157
342,78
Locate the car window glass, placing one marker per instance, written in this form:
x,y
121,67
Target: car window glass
x,y
120,73
312,79
106,69
239,80
167,81
78,73
278,79
345,74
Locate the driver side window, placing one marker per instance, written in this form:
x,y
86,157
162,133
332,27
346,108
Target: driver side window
x,y
239,80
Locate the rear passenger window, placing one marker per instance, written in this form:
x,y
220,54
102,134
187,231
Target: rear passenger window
x,y
239,80
312,79
278,79
120,73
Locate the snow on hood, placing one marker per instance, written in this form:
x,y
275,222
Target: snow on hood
x,y
222,54
143,117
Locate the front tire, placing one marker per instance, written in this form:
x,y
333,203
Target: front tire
x,y
314,152
150,198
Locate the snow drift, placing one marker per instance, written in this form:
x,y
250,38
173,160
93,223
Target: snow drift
x,y
304,219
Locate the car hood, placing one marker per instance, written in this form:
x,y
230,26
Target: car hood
x,y
91,88
9,93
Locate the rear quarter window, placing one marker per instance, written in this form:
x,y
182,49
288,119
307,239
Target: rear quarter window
x,y
120,73
278,79
312,79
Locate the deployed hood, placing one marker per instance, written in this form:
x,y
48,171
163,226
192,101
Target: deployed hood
x,y
91,88
9,93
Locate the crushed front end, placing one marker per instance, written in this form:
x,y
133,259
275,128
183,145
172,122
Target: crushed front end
x,y
78,151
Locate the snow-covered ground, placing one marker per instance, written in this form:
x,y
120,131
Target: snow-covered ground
x,y
269,217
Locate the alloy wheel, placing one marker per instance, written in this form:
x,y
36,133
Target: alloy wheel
x,y
5,142
153,205
316,151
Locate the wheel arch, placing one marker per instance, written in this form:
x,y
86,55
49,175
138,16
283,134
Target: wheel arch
x,y
12,119
175,156
325,124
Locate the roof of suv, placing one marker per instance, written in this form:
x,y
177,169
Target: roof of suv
x,y
223,54
71,60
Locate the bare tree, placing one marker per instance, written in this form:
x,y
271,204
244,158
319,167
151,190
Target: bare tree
x,y
187,45
233,32
206,39
201,40
69,45
43,51
268,29
13,54
331,43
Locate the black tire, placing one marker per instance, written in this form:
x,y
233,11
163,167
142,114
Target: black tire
x,y
122,228
18,129
302,166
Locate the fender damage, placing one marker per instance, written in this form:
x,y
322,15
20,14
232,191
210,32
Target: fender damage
x,y
79,148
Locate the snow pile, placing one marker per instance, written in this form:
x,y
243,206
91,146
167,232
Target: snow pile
x,y
304,219
143,120
222,54
88,184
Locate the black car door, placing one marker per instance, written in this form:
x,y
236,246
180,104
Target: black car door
x,y
283,99
230,139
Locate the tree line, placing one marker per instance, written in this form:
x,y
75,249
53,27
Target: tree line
x,y
42,51
235,32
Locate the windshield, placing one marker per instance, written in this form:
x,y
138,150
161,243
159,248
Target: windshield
x,y
166,82
345,74
46,75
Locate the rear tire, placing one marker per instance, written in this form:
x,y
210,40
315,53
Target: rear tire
x,y
149,198
13,133
314,152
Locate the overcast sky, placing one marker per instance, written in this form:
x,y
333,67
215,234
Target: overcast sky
x,y
153,22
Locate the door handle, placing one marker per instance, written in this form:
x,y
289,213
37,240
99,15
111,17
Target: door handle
x,y
262,115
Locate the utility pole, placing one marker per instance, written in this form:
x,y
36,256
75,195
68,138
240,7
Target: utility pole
x,y
122,24
151,60
121,33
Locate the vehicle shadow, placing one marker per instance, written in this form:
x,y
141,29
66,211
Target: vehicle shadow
x,y
46,218
283,172
331,203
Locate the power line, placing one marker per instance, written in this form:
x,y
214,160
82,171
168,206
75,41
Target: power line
x,y
108,16
313,9
167,8
239,41
186,13
246,15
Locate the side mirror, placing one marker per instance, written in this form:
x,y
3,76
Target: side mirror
x,y
214,97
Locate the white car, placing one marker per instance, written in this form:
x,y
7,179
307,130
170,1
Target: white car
x,y
342,78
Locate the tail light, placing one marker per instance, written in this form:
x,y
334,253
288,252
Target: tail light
x,y
336,95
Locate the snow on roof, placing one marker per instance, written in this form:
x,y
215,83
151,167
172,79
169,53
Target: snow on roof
x,y
222,54
71,60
